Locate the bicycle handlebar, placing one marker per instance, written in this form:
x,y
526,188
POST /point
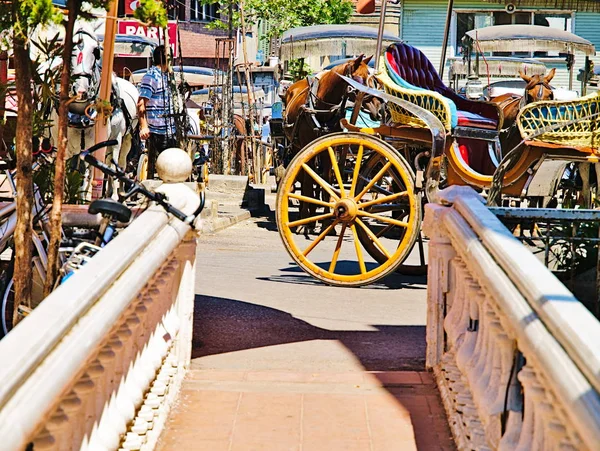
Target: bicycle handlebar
x,y
135,187
100,145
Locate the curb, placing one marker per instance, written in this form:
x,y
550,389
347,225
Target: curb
x,y
222,222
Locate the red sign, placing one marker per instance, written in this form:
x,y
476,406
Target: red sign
x,y
131,6
134,28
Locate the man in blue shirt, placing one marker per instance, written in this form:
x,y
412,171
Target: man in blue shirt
x,y
157,125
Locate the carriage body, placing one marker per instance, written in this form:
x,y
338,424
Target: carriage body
x,y
433,138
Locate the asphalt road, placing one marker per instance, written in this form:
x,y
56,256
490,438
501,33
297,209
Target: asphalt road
x,y
256,310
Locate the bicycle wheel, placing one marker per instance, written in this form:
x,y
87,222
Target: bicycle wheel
x,y
7,309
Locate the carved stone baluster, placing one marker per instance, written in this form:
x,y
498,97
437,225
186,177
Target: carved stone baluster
x,y
107,359
474,362
467,350
452,324
45,441
526,376
125,404
97,374
72,406
485,356
514,407
470,291
496,391
85,391
440,254
58,427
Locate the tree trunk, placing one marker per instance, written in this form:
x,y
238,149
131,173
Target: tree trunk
x,y
3,81
23,240
61,151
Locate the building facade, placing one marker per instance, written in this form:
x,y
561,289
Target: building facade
x,y
422,25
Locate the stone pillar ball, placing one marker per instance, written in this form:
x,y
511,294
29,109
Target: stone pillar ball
x,y
173,165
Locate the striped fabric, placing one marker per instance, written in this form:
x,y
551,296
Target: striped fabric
x,y
155,87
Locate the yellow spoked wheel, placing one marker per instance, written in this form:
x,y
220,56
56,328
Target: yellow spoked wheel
x,y
142,168
347,210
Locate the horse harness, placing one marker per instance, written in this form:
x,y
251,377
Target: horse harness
x,y
335,110
310,108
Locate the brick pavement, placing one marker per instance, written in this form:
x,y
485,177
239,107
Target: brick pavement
x,y
283,410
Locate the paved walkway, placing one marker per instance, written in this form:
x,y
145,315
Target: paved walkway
x,y
281,362
273,411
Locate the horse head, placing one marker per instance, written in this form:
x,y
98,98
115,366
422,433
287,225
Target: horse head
x,y
538,88
85,72
358,69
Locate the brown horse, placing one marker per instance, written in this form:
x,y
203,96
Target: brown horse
x,y
302,126
330,93
537,88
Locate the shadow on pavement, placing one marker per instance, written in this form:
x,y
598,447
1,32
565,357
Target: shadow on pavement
x,y
393,281
227,325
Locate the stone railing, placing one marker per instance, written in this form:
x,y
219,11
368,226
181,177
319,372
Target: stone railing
x,y
516,357
99,362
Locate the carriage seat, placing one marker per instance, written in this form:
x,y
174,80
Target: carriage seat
x,y
410,69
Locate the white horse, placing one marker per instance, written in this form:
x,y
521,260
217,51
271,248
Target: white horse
x,y
85,71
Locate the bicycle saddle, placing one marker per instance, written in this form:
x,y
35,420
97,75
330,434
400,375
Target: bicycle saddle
x,y
111,208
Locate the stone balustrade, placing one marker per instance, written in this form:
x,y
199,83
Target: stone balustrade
x,y
97,365
515,356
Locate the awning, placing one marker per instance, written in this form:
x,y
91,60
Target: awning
x,y
331,40
527,38
193,75
130,45
498,66
587,6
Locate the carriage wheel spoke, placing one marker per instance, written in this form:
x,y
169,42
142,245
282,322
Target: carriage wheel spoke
x,y
355,175
318,239
381,200
373,180
336,170
384,230
338,248
310,200
383,218
382,208
300,222
374,238
317,178
359,254
397,178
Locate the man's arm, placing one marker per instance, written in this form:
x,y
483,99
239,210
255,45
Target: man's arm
x,y
141,107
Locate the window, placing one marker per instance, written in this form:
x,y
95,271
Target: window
x,y
203,12
176,9
466,21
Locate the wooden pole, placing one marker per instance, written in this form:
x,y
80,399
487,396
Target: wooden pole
x,y
446,37
3,81
248,74
380,33
104,114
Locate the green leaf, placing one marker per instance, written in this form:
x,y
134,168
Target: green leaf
x,y
151,12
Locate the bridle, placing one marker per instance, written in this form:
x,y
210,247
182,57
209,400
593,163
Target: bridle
x,y
79,71
542,84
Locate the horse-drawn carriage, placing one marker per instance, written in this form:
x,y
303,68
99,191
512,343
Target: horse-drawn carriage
x,y
349,206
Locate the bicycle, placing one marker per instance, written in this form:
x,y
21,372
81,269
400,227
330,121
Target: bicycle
x,y
114,212
8,222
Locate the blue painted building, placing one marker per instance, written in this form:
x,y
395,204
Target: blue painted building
x,y
422,22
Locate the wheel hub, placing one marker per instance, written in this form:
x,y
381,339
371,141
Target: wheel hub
x,y
345,210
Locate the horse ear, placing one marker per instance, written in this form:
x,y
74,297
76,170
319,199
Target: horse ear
x,y
550,75
358,61
525,77
367,59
